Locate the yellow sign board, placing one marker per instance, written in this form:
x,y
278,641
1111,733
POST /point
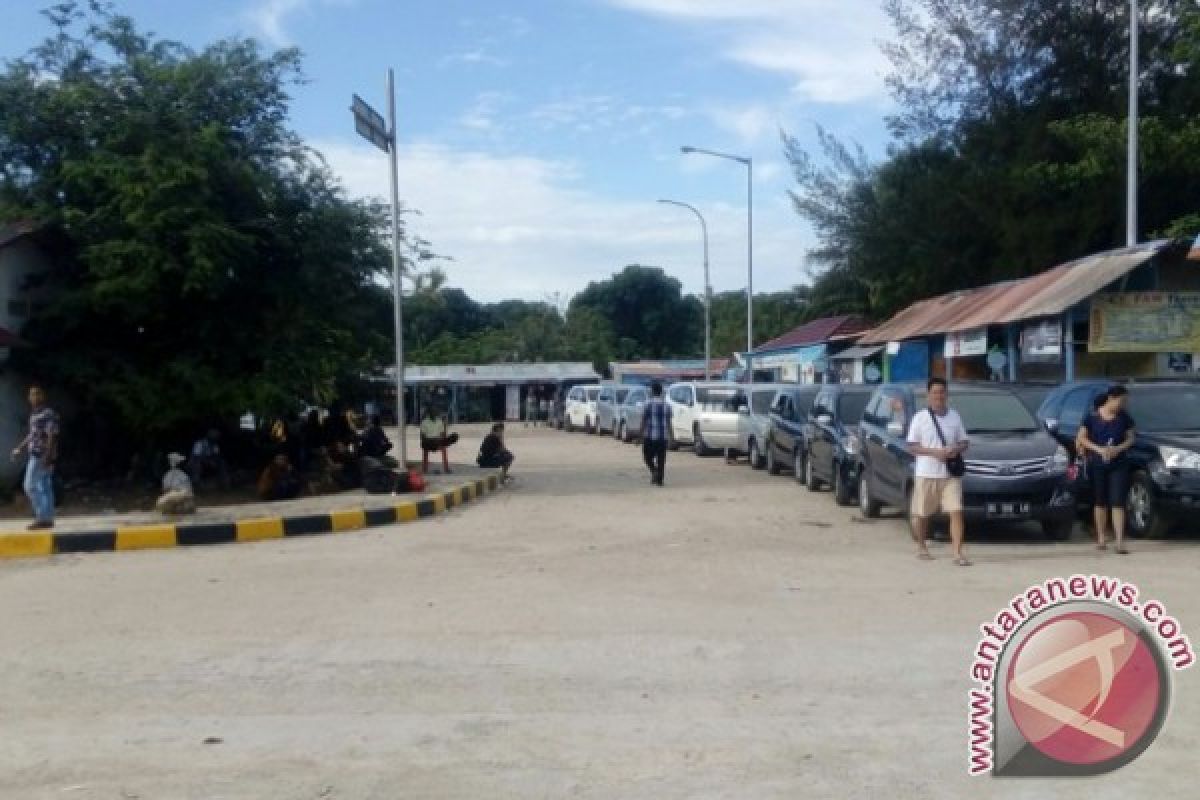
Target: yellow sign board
x,y
1145,322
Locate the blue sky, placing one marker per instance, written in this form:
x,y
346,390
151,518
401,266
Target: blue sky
x,y
536,135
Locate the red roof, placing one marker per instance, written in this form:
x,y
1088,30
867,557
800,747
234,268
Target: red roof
x,y
817,332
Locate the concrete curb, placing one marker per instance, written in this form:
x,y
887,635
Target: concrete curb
x,y
144,537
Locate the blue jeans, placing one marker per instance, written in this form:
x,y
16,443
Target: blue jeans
x,y
39,487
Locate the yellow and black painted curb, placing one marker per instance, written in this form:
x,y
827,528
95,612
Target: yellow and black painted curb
x,y
144,537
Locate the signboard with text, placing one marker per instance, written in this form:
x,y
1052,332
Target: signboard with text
x,y
966,343
1145,322
1041,342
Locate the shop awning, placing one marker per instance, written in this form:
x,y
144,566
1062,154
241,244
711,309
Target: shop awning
x,y
796,356
856,353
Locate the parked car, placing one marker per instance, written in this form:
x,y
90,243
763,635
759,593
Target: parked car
x,y
690,401
607,403
754,423
558,409
1015,469
785,436
1165,480
718,426
831,443
629,414
581,407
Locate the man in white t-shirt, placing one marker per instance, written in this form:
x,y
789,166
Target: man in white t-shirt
x,y
936,490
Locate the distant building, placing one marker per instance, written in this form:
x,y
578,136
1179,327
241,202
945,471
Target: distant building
x,y
806,353
667,372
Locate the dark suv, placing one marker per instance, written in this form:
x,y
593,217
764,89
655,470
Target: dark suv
x,y
785,436
1165,482
1015,469
831,441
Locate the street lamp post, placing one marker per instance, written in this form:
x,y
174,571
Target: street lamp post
x,y
707,288
1131,197
749,163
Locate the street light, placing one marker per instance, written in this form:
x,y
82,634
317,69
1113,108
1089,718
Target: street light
x,y
1131,197
687,150
707,287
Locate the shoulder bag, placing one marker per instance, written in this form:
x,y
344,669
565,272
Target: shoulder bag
x,y
956,466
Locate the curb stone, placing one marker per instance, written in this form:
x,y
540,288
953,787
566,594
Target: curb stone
x,y
144,537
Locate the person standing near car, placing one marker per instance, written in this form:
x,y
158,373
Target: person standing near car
x,y
656,419
1106,436
938,438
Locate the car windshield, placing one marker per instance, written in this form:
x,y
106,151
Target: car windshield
x,y
1032,396
851,407
622,394
762,402
998,412
717,399
592,394
1165,409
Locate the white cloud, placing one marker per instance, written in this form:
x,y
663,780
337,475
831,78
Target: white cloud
x,y
519,226
828,48
478,56
269,17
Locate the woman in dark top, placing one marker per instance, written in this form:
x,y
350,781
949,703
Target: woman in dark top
x,y
1107,435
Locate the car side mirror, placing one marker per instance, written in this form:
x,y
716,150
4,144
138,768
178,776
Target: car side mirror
x,y
895,429
1052,425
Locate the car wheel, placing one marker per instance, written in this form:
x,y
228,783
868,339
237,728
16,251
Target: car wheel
x,y
755,456
1059,530
811,482
672,442
587,426
698,444
622,432
1144,519
799,465
866,501
841,487
570,426
772,465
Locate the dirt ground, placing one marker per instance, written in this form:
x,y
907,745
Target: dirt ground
x,y
579,635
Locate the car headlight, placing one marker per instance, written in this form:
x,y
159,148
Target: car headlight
x,y
1178,458
1058,463
850,445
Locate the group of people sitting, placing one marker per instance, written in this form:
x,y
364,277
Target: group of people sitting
x,y
331,448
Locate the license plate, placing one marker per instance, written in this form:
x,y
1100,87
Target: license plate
x,y
1008,509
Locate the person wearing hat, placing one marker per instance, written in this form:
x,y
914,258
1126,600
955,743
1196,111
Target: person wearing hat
x,y
177,496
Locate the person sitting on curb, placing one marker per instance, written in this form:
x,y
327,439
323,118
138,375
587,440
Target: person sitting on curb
x,y
177,496
434,437
493,453
279,481
375,443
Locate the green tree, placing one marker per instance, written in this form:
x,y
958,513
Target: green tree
x,y
647,312
205,260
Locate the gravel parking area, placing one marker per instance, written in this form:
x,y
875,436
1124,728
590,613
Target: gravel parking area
x,y
579,634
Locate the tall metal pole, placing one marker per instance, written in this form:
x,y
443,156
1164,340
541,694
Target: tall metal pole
x,y
750,269
397,285
707,288
1131,197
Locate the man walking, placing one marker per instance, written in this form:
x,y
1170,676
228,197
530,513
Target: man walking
x,y
655,421
938,439
42,443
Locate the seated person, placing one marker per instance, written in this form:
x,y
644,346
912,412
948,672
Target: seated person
x,y
279,481
492,452
207,459
375,442
434,438
177,496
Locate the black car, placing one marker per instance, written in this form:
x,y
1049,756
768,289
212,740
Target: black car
x,y
1015,470
831,441
785,437
1165,481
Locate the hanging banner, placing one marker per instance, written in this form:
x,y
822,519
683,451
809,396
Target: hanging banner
x,y
1041,342
1145,322
966,343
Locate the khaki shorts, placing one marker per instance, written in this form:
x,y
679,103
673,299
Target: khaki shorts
x,y
931,495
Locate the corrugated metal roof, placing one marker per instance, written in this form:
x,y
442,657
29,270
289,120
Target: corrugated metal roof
x,y
496,373
816,332
1046,294
854,353
693,366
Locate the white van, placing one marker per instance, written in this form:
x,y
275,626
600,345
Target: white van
x,y
712,403
580,410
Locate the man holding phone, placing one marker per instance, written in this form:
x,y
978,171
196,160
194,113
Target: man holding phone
x,y
938,438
